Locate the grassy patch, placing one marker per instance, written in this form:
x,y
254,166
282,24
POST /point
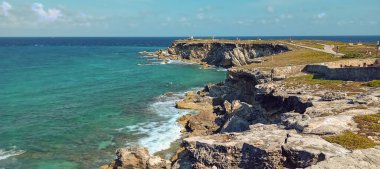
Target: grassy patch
x,y
298,56
208,40
369,124
352,55
374,83
351,141
365,50
323,84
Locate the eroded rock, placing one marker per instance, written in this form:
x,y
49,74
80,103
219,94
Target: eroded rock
x,y
362,159
137,158
329,125
306,150
260,147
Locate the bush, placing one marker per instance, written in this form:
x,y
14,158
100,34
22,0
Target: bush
x,y
351,141
352,55
374,83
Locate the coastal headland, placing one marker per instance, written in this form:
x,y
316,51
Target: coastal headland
x,y
283,104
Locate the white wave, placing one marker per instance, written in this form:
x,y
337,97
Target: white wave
x,y
158,135
4,154
219,69
179,62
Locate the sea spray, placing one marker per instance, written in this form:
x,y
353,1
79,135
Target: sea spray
x,y
4,154
160,134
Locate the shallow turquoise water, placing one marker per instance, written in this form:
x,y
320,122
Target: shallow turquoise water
x,y
71,106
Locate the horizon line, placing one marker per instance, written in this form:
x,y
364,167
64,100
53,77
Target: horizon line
x,y
229,36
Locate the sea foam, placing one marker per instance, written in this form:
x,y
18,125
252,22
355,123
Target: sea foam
x,y
4,154
158,135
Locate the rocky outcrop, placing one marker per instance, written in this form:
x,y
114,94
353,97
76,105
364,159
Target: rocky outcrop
x,y
254,119
362,159
260,147
223,54
137,158
306,150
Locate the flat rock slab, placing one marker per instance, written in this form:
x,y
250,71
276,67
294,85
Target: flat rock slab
x,y
329,125
306,150
362,159
260,147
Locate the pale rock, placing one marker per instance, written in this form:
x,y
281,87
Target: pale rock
x,y
329,125
306,150
358,159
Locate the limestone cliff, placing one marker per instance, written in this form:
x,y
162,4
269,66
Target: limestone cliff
x,y
223,54
254,119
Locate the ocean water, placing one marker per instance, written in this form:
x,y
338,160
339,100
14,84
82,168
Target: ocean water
x,y
70,102
70,105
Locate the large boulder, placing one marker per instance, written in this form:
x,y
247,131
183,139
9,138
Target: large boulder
x,y
260,147
242,117
132,157
306,150
137,158
203,123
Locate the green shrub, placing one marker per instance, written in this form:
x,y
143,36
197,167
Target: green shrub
x,y
352,55
351,141
374,83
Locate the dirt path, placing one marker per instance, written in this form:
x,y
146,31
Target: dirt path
x,y
327,48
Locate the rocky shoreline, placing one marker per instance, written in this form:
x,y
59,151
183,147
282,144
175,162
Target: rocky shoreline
x,y
254,119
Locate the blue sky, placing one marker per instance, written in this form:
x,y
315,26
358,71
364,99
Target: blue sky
x,y
189,17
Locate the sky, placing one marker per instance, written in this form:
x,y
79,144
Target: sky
x,y
157,18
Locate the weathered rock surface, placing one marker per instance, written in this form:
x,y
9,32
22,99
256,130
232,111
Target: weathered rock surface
x,y
296,121
242,117
195,101
137,158
329,125
223,54
358,159
306,150
331,96
260,147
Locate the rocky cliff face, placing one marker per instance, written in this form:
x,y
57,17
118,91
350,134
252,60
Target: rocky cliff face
x,y
263,124
223,54
256,120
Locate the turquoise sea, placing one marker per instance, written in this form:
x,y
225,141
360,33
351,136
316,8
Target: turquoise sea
x,y
69,103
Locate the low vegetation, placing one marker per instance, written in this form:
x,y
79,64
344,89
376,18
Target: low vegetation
x,y
374,83
317,82
355,51
298,56
353,55
208,40
351,141
369,125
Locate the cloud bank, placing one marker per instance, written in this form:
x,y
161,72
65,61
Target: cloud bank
x,y
49,15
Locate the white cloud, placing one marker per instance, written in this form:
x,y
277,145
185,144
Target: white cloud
x,y
321,15
5,8
270,9
49,15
